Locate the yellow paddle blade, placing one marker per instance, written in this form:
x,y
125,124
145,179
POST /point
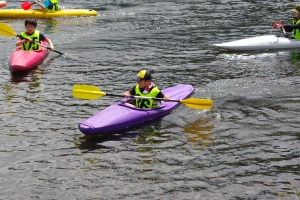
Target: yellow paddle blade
x,y
87,92
6,30
197,103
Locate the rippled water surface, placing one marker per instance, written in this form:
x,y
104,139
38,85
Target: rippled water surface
x,y
246,147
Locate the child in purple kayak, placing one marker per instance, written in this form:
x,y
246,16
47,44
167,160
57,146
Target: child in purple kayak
x,y
145,88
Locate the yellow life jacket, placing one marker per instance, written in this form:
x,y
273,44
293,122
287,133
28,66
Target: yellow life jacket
x,y
296,31
146,103
54,6
30,46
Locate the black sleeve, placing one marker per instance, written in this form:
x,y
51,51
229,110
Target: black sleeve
x,y
132,91
290,28
160,95
42,37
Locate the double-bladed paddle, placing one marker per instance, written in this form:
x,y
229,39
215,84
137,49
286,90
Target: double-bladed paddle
x,y
278,24
8,31
92,92
27,5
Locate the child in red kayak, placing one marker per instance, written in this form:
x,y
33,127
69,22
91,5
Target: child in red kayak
x,y
49,5
145,88
32,35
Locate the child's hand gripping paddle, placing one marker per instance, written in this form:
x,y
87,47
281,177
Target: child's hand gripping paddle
x,y
278,24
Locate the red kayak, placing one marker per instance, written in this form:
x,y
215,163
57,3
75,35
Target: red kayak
x,y
2,4
24,60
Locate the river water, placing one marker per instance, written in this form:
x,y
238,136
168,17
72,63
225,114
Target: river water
x,y
246,147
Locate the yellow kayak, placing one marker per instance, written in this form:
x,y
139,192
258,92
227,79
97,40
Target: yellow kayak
x,y
20,13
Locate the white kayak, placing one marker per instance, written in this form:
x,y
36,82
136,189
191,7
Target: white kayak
x,y
264,42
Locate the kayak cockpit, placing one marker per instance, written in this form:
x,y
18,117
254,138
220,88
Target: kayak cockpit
x,y
130,103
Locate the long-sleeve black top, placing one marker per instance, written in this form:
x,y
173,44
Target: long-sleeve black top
x,y
291,27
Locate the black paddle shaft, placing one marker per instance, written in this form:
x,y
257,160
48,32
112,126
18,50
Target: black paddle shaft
x,y
160,99
39,44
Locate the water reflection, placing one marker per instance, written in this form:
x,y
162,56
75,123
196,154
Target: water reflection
x,y
265,64
139,135
7,91
106,142
199,133
33,75
50,25
295,58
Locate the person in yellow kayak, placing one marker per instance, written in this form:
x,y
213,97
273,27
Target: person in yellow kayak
x,y
49,5
31,35
295,26
145,88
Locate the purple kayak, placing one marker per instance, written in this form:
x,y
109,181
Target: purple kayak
x,y
118,117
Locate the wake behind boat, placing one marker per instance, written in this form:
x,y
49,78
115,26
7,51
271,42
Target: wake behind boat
x,y
118,116
20,13
264,42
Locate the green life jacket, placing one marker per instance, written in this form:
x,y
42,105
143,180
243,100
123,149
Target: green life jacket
x,y
146,103
30,46
52,8
296,31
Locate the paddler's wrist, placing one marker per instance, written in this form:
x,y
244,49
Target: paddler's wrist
x,y
22,41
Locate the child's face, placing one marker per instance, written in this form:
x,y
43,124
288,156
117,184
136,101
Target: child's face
x,y
144,83
296,15
29,28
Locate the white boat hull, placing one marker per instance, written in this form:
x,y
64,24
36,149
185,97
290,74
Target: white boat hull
x,y
264,42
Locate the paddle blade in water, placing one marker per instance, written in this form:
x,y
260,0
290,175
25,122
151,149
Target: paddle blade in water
x,y
26,5
87,92
198,103
6,30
